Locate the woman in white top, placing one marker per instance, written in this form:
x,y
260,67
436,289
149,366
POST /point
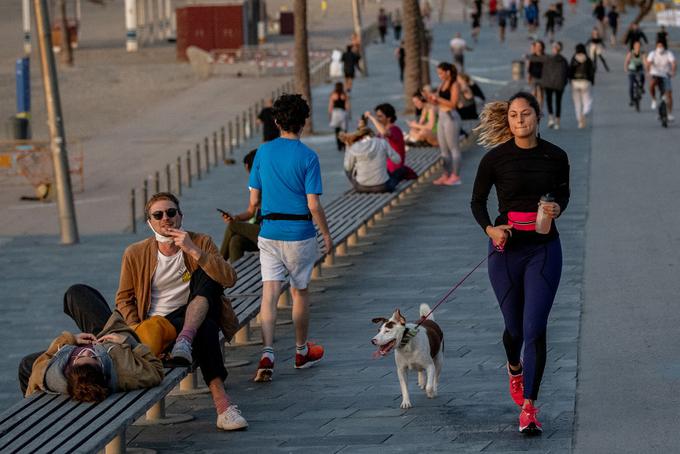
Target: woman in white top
x,y
365,161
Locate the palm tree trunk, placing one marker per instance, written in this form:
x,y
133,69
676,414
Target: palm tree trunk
x,y
65,35
424,53
358,30
412,50
302,83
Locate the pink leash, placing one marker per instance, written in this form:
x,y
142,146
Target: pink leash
x,y
453,289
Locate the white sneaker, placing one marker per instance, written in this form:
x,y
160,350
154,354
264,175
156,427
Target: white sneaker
x,y
653,104
231,419
671,117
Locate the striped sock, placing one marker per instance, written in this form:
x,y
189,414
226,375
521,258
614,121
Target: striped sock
x,y
268,352
302,349
187,334
220,398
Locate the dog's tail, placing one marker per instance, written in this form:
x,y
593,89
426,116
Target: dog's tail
x,y
424,310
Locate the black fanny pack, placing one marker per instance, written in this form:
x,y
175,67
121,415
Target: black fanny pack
x,y
287,217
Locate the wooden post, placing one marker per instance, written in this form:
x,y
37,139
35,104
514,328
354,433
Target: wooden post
x,y
230,127
215,154
179,175
222,143
167,178
198,161
189,168
157,182
206,150
133,211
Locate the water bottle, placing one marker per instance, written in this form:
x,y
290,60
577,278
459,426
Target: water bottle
x,y
543,221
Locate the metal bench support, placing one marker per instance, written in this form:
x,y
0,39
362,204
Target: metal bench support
x,y
156,416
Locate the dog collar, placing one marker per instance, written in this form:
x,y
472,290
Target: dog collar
x,y
409,334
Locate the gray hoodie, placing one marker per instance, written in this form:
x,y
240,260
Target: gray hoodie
x,y
366,161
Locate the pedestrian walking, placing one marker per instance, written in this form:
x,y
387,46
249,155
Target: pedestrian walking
x,y
551,17
582,77
286,182
396,25
350,62
339,112
535,70
458,47
635,34
613,21
400,54
382,24
554,80
599,15
447,98
525,254
595,45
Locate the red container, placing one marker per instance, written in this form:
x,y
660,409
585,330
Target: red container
x,y
209,27
286,23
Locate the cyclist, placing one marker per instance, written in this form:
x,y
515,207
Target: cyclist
x,y
634,66
661,66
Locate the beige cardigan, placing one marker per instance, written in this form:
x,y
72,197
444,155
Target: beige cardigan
x,y
133,298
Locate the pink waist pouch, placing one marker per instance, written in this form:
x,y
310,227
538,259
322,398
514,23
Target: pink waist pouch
x,y
520,220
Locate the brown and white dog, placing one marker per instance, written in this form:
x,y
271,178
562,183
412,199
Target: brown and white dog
x,y
420,349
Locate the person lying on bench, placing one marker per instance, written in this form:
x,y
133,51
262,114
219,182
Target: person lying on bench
x,y
89,367
365,158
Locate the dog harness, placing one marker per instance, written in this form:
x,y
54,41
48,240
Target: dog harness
x,y
409,334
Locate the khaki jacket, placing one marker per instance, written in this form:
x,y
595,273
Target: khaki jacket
x,y
133,298
134,365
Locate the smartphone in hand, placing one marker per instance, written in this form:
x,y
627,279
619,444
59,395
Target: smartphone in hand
x,y
224,213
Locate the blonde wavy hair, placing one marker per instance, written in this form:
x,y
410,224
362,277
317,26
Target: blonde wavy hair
x,y
493,128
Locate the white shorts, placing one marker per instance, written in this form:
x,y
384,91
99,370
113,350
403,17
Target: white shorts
x,y
293,258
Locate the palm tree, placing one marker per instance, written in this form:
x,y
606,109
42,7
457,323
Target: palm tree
x,y
413,50
424,52
302,84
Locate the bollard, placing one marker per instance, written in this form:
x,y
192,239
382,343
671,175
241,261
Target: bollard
x,y
238,131
189,168
145,194
246,134
230,126
206,150
222,143
167,178
179,175
198,161
251,120
133,211
216,156
157,182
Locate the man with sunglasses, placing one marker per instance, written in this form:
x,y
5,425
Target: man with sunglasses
x,y
180,277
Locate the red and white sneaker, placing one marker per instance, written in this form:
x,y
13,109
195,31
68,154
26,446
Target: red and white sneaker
x,y
528,423
265,370
516,387
313,356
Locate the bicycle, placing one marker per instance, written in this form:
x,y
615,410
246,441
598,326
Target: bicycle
x,y
662,108
638,89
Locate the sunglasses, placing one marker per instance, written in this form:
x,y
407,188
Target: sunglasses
x,y
158,215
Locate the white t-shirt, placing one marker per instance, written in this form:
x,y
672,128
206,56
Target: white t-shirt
x,y
169,284
661,63
458,45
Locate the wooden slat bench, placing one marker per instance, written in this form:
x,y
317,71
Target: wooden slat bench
x,y
46,423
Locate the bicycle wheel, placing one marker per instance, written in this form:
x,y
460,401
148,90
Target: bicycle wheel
x,y
663,113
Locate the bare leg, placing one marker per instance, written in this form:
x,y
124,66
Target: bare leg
x,y
300,314
270,294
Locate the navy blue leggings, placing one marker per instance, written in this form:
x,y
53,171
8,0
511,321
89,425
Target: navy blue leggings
x,y
525,280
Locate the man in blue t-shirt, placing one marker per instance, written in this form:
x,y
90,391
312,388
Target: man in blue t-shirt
x,y
286,181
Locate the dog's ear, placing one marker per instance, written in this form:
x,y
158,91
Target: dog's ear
x,y
400,318
379,320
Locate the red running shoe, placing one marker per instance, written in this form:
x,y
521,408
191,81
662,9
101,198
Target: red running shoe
x,y
516,387
528,423
265,370
313,356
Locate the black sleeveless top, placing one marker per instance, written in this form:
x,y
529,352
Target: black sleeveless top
x,y
339,103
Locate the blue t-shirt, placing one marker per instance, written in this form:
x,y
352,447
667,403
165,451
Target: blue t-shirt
x,y
286,170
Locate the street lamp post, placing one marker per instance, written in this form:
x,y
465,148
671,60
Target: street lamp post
x,y
55,123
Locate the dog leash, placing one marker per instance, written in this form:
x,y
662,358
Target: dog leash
x,y
453,289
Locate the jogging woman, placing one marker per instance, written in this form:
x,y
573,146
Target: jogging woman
x,y
448,126
526,270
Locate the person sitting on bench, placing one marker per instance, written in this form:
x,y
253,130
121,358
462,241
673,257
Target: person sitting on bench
x,y
365,161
